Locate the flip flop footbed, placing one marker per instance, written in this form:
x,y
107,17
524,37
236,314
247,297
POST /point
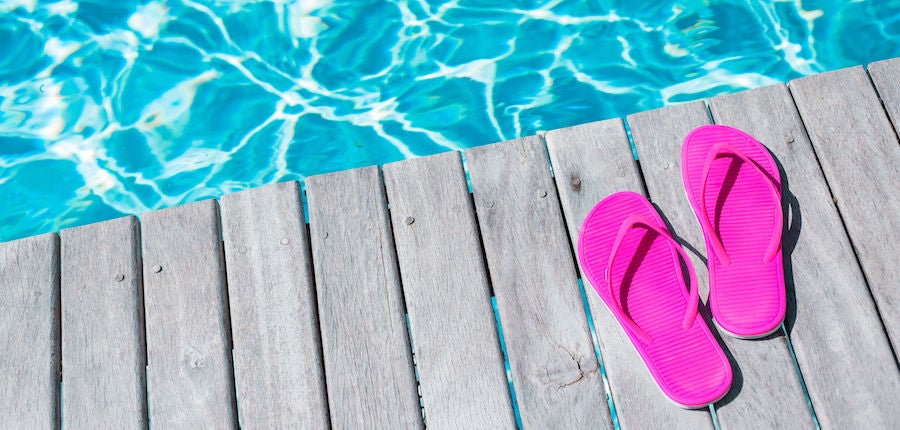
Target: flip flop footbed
x,y
747,295
687,364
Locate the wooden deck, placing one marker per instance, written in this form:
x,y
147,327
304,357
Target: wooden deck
x,y
378,313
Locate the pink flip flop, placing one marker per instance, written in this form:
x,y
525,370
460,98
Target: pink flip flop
x,y
734,186
633,263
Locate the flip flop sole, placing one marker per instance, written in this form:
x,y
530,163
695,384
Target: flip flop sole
x,y
688,365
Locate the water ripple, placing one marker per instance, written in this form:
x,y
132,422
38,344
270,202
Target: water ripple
x,y
120,108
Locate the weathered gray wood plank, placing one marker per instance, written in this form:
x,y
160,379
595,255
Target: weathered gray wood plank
x,y
368,364
858,153
189,372
554,369
886,76
279,376
590,162
29,332
815,256
462,378
860,156
103,346
766,391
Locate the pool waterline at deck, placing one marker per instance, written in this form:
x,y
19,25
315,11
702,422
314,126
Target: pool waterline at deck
x,y
588,161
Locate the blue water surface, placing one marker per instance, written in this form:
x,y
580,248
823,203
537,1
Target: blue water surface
x,y
110,108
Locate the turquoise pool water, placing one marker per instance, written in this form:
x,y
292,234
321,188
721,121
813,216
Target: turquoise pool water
x,y
113,108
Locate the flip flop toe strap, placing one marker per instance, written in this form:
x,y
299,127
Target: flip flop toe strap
x,y
722,149
693,295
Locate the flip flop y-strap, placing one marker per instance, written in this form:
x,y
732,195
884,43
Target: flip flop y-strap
x,y
722,149
690,313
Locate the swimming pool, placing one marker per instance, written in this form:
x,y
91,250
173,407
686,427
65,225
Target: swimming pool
x,y
113,109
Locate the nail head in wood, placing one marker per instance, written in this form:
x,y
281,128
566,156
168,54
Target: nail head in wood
x,y
157,268
409,220
576,183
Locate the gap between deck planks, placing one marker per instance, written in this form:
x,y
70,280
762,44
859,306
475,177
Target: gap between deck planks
x,y
837,257
445,283
590,162
834,327
551,356
279,376
766,391
368,363
860,156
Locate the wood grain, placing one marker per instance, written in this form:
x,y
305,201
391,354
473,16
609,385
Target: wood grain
x,y
766,391
886,76
590,162
29,332
189,371
812,251
103,345
368,363
859,155
657,136
462,378
279,373
554,368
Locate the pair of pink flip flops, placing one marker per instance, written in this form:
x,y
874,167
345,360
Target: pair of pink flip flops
x,y
634,265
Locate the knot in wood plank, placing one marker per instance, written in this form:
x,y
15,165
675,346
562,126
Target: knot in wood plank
x,y
575,182
195,359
